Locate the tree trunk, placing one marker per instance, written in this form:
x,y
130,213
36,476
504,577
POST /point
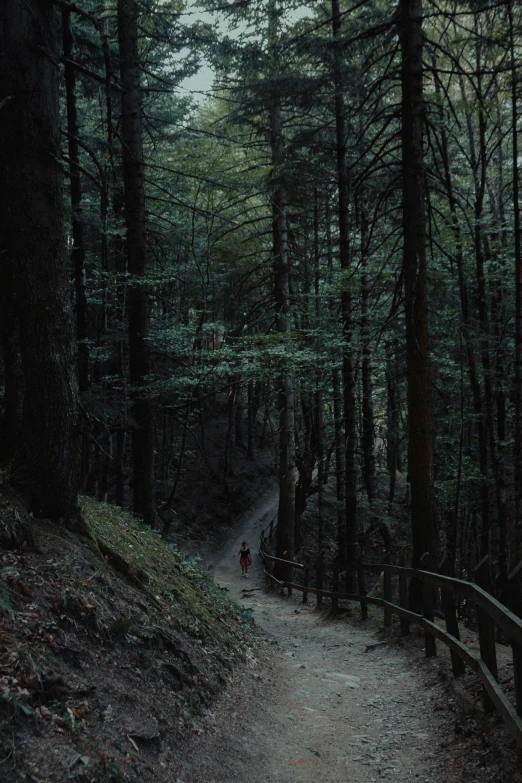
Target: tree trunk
x,y
239,437
285,400
78,249
45,465
252,406
318,396
338,442
517,538
392,423
368,427
11,415
346,305
424,533
78,242
138,300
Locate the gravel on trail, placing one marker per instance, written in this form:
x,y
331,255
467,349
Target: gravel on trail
x,y
313,703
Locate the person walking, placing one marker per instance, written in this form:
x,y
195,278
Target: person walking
x,y
245,559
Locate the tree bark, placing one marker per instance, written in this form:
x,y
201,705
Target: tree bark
x,y
138,299
78,239
424,533
285,401
346,305
45,465
11,414
78,249
368,427
517,538
318,439
285,538
252,406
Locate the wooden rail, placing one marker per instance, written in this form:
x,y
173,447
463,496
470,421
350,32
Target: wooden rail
x,y
491,614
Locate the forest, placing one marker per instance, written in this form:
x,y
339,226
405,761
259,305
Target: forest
x,y
328,240
316,252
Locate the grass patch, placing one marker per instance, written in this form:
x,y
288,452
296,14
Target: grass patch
x,y
202,608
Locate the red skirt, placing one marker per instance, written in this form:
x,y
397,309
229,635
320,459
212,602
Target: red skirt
x,y
244,562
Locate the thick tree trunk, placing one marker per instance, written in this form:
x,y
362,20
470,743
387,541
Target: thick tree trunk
x,y
424,532
346,305
46,463
138,300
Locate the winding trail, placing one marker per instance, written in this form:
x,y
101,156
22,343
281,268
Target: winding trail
x,y
313,705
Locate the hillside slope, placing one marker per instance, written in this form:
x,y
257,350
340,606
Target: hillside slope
x,y
110,644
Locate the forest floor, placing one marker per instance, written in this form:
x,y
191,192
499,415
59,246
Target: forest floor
x,y
332,699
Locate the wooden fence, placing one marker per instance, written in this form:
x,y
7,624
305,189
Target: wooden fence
x,y
436,590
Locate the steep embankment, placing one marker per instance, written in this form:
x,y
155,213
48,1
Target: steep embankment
x,y
110,645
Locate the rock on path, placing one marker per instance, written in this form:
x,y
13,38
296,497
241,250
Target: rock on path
x,y
312,705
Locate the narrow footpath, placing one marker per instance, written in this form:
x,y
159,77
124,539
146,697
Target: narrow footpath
x,y
314,704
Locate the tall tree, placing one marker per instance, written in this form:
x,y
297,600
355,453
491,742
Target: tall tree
x,y
285,404
45,464
138,297
350,412
424,533
517,543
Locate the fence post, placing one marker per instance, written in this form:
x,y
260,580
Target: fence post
x,y
271,532
515,604
427,607
387,590
403,591
452,622
306,582
335,588
361,583
486,629
319,568
288,573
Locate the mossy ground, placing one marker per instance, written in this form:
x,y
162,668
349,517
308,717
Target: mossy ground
x,y
165,575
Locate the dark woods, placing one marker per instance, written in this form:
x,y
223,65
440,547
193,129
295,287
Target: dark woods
x,y
323,255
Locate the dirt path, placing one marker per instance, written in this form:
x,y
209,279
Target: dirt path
x,y
314,704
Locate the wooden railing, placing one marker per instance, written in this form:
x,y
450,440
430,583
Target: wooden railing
x,y
434,590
